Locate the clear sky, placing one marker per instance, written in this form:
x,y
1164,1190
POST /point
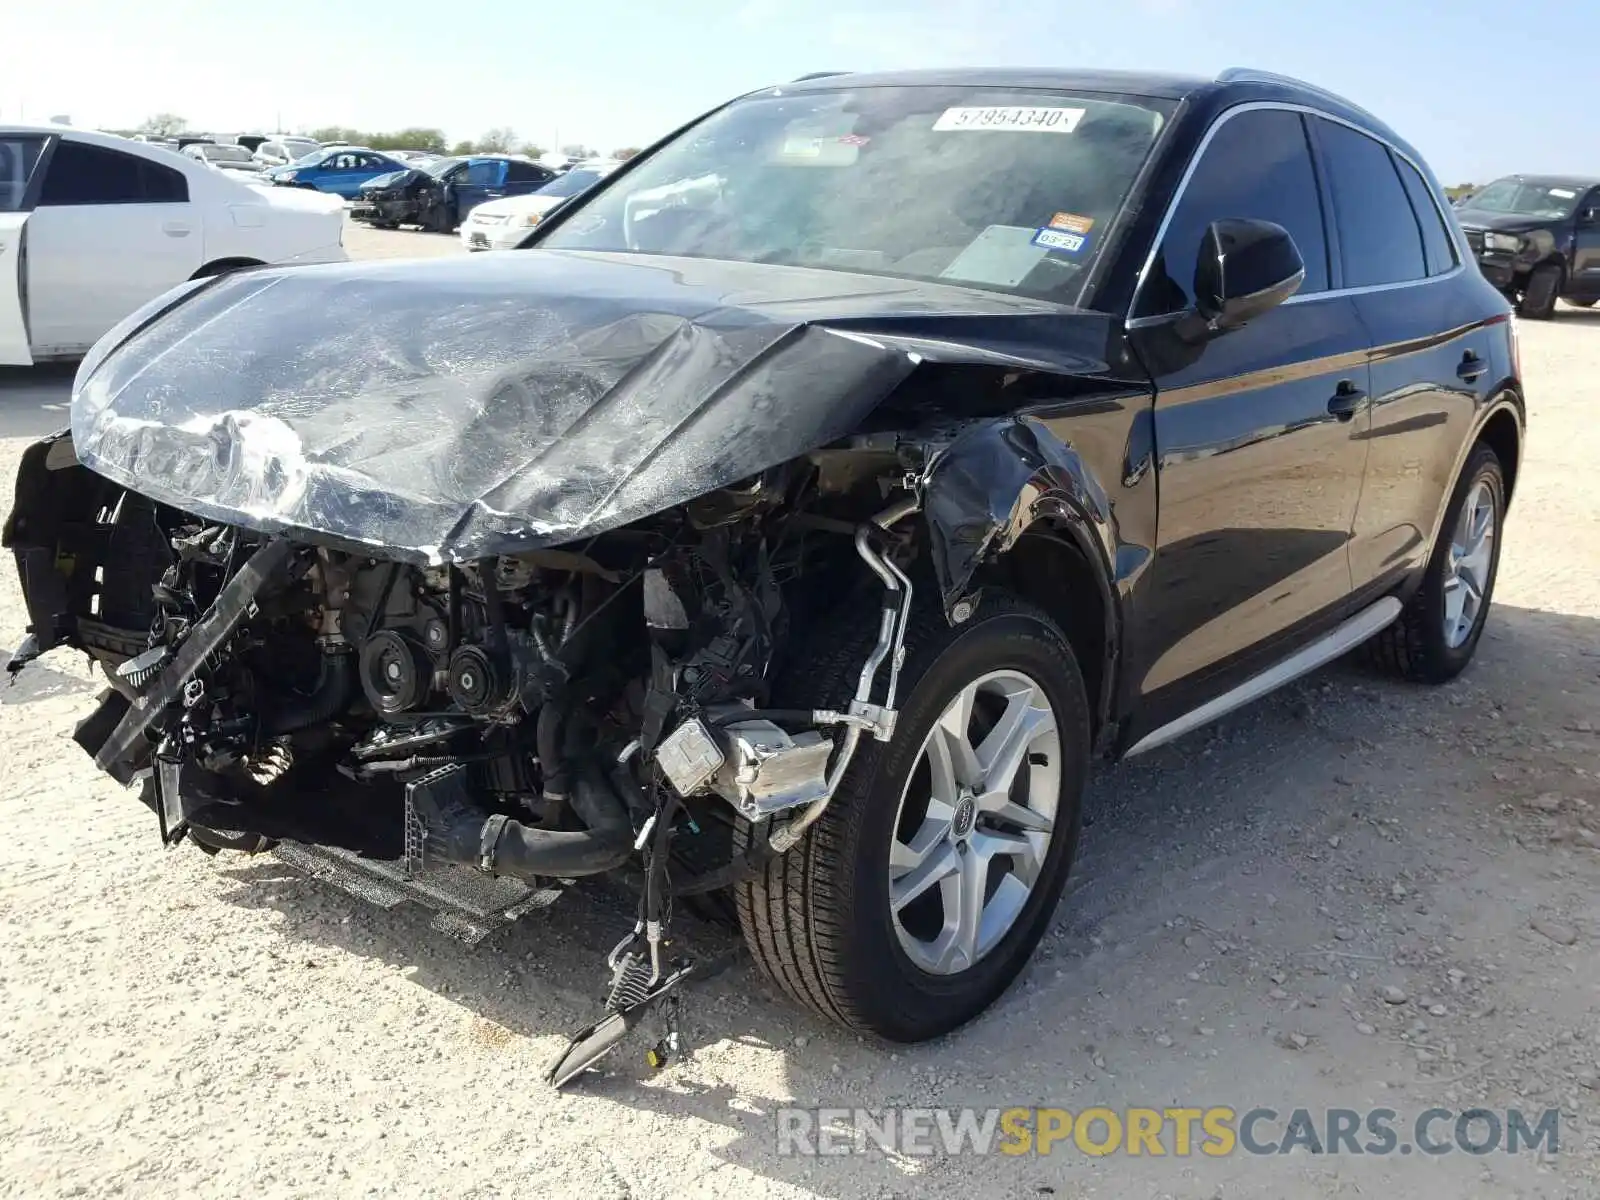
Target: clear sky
x,y
1481,87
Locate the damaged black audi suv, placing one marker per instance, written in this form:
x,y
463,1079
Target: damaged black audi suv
x,y
786,524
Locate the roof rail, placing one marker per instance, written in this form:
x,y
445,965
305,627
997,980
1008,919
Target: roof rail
x,y
818,75
1252,75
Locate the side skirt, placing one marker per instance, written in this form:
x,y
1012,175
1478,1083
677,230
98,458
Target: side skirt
x,y
1308,658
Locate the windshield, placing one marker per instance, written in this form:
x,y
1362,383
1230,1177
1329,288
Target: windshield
x,y
299,149
1003,189
570,184
437,169
1518,197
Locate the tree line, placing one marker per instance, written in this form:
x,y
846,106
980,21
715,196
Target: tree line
x,y
500,140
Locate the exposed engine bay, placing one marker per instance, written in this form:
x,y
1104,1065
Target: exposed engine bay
x,y
541,717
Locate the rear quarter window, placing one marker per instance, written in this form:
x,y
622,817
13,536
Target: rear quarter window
x,y
1439,246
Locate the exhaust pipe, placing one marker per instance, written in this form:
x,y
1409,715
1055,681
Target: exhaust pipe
x,y
457,830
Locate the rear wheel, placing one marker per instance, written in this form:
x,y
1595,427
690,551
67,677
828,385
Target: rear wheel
x,y
1435,636
1539,297
922,891
1582,303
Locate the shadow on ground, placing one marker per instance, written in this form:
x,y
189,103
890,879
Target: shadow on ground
x,y
1199,813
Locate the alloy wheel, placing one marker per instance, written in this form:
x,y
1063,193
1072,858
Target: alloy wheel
x,y
975,822
1466,576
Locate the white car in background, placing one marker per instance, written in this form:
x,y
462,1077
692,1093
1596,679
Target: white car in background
x,y
93,226
502,224
281,150
234,159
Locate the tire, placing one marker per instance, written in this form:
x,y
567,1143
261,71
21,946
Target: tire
x,y
1582,303
1417,646
1539,297
818,920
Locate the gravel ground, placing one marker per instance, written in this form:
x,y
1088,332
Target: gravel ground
x,y
1357,894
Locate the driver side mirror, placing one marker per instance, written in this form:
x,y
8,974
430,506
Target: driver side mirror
x,y
1590,215
1245,268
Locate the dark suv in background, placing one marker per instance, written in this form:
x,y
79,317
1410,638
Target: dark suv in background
x,y
1537,239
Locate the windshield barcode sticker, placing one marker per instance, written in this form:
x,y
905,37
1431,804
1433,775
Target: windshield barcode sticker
x,y
1022,120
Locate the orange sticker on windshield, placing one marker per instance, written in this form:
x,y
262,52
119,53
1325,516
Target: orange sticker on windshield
x,y
1072,222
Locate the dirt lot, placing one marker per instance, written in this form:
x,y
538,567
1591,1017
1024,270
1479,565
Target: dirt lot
x,y
177,1026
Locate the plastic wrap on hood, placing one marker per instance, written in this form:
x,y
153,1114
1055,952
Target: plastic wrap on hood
x,y
447,411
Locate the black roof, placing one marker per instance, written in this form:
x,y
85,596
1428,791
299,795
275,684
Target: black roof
x,y
1133,83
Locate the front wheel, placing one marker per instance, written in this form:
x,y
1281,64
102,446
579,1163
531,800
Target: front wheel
x,y
1434,638
920,894
1539,297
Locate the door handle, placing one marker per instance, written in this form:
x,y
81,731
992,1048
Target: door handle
x,y
1472,368
1347,400
176,229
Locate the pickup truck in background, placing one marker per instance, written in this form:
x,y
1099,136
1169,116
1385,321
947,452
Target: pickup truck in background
x,y
1537,239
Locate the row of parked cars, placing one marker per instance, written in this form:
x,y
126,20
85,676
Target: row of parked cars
x,y
94,226
494,199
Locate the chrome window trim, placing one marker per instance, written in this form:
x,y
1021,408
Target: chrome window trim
x,y
1451,227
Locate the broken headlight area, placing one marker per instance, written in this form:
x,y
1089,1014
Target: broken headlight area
x,y
476,734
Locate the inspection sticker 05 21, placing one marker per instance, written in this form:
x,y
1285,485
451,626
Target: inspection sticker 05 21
x,y
1010,119
1059,239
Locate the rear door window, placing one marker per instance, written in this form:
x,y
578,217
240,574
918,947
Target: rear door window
x,y
83,174
1257,165
1380,241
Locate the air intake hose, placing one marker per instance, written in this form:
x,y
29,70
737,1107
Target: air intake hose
x,y
336,686
460,831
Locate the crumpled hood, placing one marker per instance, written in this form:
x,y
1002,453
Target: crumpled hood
x,y
453,409
1473,218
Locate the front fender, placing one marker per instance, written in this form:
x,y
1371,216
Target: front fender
x,y
994,482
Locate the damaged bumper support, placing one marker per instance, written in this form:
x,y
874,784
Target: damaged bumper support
x,y
759,768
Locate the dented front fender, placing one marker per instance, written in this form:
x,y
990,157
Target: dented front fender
x,y
997,480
